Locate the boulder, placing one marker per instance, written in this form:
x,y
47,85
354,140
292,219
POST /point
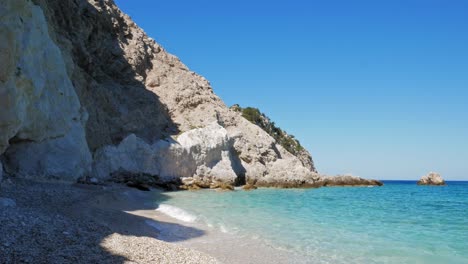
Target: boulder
x,y
431,179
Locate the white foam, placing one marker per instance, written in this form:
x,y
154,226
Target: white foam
x,y
223,229
177,213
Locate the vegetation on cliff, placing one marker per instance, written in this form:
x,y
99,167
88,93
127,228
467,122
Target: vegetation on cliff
x,y
289,142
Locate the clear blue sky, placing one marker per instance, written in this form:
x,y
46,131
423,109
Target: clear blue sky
x,y
374,88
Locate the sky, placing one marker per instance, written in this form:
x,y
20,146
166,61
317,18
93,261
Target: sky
x,y
378,89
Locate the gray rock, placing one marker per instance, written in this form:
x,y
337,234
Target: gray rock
x,y
431,178
7,202
1,172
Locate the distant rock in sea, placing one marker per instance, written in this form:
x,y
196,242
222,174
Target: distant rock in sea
x,y
348,180
431,179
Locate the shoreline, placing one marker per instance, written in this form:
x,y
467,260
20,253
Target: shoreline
x,y
52,222
226,247
79,223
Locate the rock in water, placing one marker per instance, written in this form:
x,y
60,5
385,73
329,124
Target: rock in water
x,y
1,172
431,179
346,180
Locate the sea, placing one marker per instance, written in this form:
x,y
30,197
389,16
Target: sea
x,y
399,222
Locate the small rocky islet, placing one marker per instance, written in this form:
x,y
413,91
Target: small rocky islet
x,y
433,179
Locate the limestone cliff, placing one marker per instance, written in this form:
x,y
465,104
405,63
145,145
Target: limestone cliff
x,y
287,141
80,78
41,118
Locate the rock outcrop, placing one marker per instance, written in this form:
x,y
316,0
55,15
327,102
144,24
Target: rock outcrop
x,y
86,93
431,179
347,180
196,157
41,120
287,141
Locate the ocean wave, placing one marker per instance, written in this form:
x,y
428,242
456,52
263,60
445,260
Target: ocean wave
x,y
177,213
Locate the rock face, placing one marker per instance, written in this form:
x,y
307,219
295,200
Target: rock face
x,y
41,121
431,179
347,180
199,156
86,93
288,142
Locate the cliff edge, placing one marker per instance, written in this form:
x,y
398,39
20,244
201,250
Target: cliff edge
x,y
86,93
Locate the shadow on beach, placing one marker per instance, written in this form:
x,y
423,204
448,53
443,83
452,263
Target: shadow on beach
x,y
63,223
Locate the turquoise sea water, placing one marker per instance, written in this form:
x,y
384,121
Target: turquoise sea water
x,y
397,223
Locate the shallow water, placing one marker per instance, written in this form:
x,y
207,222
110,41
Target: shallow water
x,y
397,223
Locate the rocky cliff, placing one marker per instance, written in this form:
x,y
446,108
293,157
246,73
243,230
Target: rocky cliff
x,y
86,93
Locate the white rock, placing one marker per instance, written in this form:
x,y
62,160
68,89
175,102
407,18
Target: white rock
x,y
63,158
40,109
200,153
431,178
174,96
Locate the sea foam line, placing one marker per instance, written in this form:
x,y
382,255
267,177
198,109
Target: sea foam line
x,y
177,213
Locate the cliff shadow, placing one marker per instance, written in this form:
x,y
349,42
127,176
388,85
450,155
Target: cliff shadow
x,y
108,58
238,167
63,223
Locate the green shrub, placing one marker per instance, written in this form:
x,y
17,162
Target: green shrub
x,y
258,118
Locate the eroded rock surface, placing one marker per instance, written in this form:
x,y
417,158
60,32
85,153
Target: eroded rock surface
x,y
197,157
80,77
431,179
138,96
41,119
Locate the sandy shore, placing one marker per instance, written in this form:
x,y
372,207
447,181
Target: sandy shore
x,y
63,223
